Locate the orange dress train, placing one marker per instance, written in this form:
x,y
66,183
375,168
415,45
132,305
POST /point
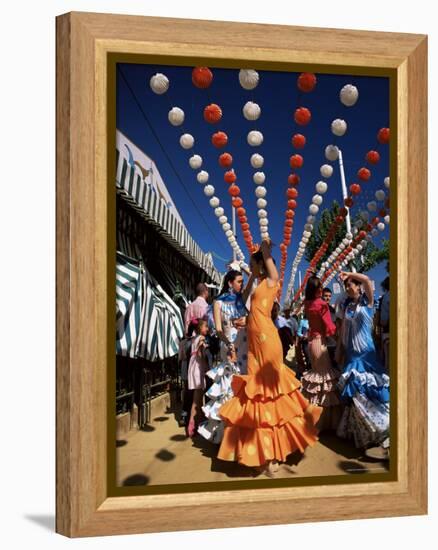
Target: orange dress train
x,y
268,417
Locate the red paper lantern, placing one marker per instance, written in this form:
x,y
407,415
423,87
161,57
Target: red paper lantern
x,y
282,247
298,141
348,202
243,219
234,190
225,160
296,161
372,157
306,82
375,221
246,234
292,204
245,226
292,193
202,77
355,189
219,139
364,174
293,179
241,211
289,223
230,176
382,212
236,202
212,113
289,214
302,116
287,242
383,135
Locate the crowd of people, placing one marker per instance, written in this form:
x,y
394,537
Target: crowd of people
x,y
262,384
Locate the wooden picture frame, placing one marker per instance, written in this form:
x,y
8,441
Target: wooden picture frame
x,y
85,42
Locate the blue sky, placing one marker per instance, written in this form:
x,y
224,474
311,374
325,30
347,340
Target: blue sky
x,y
278,97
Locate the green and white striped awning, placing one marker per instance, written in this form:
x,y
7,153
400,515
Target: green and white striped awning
x,y
148,322
129,300
162,325
142,197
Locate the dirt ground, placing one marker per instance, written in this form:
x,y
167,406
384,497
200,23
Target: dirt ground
x,y
161,453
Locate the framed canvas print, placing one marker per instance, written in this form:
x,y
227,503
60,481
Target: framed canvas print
x,y
241,236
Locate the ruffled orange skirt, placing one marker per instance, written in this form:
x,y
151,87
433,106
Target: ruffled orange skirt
x,y
265,420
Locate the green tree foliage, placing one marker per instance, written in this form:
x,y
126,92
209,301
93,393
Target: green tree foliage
x,y
372,255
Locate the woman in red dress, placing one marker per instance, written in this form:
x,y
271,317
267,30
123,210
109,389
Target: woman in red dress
x,y
319,383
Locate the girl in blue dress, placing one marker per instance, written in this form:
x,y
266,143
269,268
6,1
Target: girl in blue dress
x,y
229,313
363,384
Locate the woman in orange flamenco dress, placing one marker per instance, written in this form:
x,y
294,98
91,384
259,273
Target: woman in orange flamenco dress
x,y
268,418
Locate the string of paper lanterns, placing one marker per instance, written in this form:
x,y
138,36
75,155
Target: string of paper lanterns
x,y
159,84
306,83
249,80
202,77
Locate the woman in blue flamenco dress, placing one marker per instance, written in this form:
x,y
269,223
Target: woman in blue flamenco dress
x,y
363,384
230,314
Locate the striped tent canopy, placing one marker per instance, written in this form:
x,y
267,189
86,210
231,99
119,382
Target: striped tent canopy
x,y
141,196
148,322
129,299
162,325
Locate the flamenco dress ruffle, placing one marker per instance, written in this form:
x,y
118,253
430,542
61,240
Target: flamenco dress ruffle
x,y
266,421
365,388
219,392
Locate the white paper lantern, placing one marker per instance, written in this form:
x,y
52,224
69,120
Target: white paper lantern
x,y
260,192
305,240
228,233
310,219
372,206
262,203
195,162
348,236
255,138
176,116
248,79
331,153
257,160
374,232
209,190
342,246
308,227
338,250
346,241
187,141
219,211
386,218
263,221
339,127
381,226
265,236
223,220
202,177
359,247
355,252
259,178
159,83
226,226
313,209
321,187
386,182
262,213
317,199
232,239
251,111
306,233
364,215
214,202
349,95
